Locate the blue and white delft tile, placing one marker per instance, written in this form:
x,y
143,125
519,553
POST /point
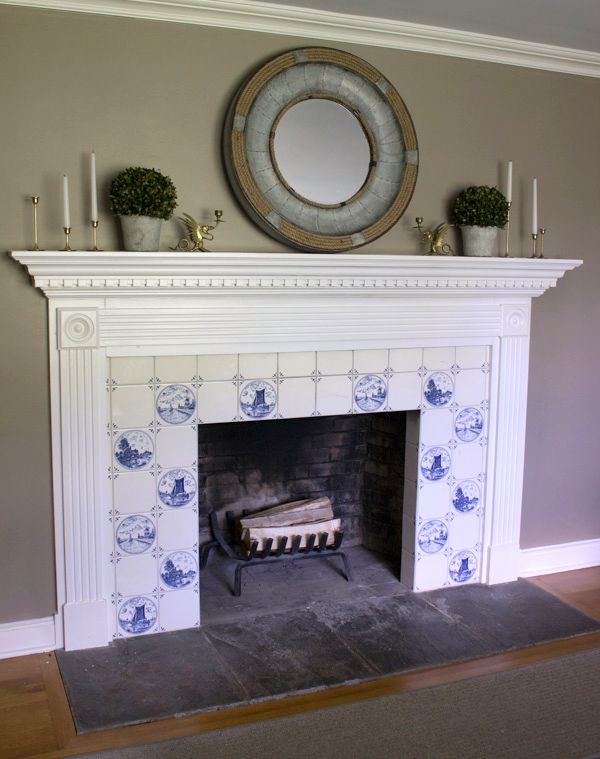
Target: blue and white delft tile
x,y
370,393
404,391
175,369
136,575
432,536
177,488
133,450
137,615
134,492
466,496
435,463
296,397
176,404
371,361
258,399
436,427
472,356
178,570
217,367
463,566
438,389
217,402
135,534
468,425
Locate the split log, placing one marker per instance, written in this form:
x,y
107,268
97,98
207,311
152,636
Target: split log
x,y
262,534
294,512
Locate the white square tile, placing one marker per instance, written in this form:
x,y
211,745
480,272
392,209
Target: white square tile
x,y
257,365
407,569
216,367
132,370
408,534
134,492
467,461
409,499
404,391
371,361
175,404
132,406
406,359
136,575
300,364
133,450
177,529
436,426
334,395
413,427
433,500
334,362
465,531
297,397
470,387
179,611
431,572
137,615
439,358
370,393
176,447
175,368
217,402
472,356
258,399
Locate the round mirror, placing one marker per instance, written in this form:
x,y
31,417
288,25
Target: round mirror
x,y
321,151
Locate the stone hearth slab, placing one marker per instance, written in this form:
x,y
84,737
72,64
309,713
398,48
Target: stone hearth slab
x,y
324,644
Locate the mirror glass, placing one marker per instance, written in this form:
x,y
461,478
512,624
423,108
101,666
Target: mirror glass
x,y
321,151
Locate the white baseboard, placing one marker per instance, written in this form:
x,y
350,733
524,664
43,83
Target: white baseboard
x,y
32,636
545,560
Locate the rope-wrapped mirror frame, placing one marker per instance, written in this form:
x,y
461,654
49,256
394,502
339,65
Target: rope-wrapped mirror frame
x,y
315,72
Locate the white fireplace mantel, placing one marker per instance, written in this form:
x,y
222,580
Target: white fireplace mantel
x,y
116,304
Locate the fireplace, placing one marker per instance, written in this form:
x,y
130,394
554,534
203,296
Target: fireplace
x,y
146,348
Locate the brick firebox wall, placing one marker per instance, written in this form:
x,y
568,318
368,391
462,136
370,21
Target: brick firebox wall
x,y
358,461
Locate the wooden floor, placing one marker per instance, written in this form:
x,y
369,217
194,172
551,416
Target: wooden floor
x,y
35,720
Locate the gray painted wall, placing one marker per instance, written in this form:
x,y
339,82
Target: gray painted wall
x,y
155,94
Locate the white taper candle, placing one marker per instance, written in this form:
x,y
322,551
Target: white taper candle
x,y
508,193
94,189
66,210
534,208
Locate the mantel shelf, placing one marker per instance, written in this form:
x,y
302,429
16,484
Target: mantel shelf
x,y
82,273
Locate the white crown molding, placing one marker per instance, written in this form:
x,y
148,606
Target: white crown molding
x,y
91,275
564,557
271,18
31,636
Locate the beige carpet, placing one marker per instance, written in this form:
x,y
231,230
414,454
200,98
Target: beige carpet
x,y
549,710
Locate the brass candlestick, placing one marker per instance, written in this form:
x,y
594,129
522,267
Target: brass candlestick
x,y
435,238
95,236
35,199
506,253
67,231
197,233
542,233
534,238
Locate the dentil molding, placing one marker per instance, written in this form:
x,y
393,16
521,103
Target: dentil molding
x,y
83,274
271,18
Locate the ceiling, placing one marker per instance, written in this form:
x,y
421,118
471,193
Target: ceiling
x,y
566,23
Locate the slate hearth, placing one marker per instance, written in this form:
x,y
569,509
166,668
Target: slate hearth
x,y
298,645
